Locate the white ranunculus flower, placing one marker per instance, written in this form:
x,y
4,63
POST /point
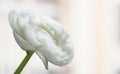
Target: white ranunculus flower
x,y
42,35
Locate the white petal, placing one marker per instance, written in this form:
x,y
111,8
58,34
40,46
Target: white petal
x,y
52,52
43,58
12,19
56,27
31,37
22,43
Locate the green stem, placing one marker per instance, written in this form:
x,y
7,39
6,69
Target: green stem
x,y
24,62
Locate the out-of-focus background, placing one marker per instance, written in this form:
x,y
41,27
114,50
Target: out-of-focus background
x,y
94,27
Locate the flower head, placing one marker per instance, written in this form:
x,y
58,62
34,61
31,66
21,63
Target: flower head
x,y
42,35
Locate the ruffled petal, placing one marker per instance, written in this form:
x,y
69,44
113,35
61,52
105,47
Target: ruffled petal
x,y
54,53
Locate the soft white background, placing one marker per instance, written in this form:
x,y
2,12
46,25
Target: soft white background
x,y
94,28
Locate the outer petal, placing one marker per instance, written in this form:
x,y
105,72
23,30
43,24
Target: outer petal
x,y
43,58
13,16
22,43
12,19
